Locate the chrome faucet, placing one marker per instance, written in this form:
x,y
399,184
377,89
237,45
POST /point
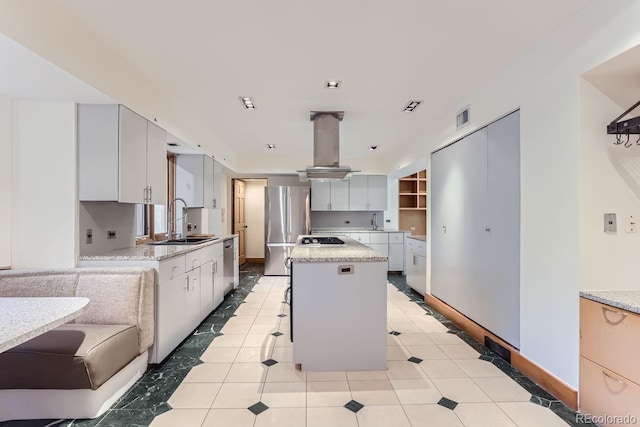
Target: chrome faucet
x,y
374,222
171,221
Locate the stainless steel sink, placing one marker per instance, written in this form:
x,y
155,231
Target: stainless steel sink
x,y
187,241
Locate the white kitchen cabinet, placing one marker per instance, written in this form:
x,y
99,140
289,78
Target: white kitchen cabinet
x,y
207,278
330,196
218,280
362,237
121,156
416,265
236,269
217,184
169,326
195,180
5,182
368,193
396,257
381,248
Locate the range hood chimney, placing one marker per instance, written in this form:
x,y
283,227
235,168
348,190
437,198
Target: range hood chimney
x,y
326,149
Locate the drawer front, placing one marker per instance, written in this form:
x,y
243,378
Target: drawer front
x,y
610,337
211,252
417,247
605,393
171,268
195,258
396,237
360,237
379,237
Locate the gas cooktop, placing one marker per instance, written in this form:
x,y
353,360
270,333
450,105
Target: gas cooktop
x,y
321,241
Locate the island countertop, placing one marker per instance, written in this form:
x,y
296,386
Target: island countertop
x,y
150,252
626,300
351,251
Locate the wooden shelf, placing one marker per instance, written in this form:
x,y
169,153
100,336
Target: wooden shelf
x,y
413,209
412,203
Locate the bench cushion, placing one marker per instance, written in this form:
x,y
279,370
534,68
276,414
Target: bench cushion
x,y
72,356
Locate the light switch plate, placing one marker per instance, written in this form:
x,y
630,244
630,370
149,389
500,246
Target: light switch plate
x,y
111,234
630,224
610,225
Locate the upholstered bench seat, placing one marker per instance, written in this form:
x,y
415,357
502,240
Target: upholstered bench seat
x,y
72,356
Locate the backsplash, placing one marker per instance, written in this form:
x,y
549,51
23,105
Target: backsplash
x,y
357,220
102,217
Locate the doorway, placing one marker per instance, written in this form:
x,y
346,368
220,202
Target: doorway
x,y
248,218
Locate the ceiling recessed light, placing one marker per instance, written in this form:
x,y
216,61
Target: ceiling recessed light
x,y
411,105
247,102
332,84
373,147
271,146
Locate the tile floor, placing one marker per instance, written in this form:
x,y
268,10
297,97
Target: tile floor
x,y
237,370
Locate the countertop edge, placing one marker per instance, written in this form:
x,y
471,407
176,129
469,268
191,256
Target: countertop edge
x,y
618,299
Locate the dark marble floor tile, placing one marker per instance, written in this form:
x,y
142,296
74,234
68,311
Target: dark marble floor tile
x,y
151,396
507,368
32,423
185,356
569,416
129,418
540,401
534,388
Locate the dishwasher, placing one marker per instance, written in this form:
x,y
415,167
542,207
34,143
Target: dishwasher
x,y
228,265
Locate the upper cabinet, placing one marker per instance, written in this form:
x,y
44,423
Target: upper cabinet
x,y
195,180
330,196
361,193
368,193
121,156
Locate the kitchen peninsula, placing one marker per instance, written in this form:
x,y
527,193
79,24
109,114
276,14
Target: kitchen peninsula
x,y
338,306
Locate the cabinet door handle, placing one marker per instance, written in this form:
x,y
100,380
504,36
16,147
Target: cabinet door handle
x,y
195,279
329,206
619,313
215,267
614,378
186,282
144,196
214,203
150,194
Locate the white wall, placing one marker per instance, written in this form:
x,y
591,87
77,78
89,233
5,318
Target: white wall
x,y
44,208
5,182
609,183
101,217
254,217
545,84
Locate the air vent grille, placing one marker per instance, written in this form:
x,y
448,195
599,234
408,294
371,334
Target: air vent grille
x,y
462,119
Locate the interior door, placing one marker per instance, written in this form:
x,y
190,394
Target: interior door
x,y
239,224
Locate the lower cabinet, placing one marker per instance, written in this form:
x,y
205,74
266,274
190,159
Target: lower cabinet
x,y
388,243
416,265
609,369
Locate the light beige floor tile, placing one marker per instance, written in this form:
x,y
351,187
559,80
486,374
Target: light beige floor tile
x,y
180,417
331,417
503,389
444,368
238,395
404,327
327,376
236,329
445,338
283,340
264,328
247,310
253,355
247,373
382,416
285,395
242,320
414,339
397,369
393,340
328,393
285,372
459,351
270,319
376,392
396,352
250,305
261,340
255,298
282,417
227,341
431,415
228,418
527,414
282,354
426,352
415,392
482,415
194,395
219,354
460,389
208,373
366,375
479,368
430,327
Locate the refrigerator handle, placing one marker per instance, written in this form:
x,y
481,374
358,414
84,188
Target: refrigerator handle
x,y
288,211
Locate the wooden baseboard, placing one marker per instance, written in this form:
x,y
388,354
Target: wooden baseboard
x,y
255,260
545,379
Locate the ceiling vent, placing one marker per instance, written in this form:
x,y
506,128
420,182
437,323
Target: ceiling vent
x,y
411,105
462,119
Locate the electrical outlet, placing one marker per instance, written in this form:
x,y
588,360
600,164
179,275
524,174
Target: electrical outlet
x,y
610,225
347,222
630,224
111,234
387,220
89,236
189,226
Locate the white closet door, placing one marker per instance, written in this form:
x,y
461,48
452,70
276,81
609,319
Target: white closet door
x,y
503,263
458,201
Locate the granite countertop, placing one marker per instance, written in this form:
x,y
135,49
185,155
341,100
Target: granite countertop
x,y
151,252
422,238
626,300
351,251
24,318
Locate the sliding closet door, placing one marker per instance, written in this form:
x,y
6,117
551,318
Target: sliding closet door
x,y
503,273
458,217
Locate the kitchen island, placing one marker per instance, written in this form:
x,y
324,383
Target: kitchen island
x,y
339,307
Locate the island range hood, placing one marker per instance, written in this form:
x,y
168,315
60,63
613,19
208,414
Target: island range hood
x,y
326,149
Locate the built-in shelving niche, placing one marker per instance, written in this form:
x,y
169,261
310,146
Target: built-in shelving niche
x,y
412,203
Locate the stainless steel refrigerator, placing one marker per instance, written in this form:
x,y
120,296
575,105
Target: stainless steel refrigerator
x,y
287,214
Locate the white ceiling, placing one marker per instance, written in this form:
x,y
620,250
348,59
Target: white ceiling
x,y
202,54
